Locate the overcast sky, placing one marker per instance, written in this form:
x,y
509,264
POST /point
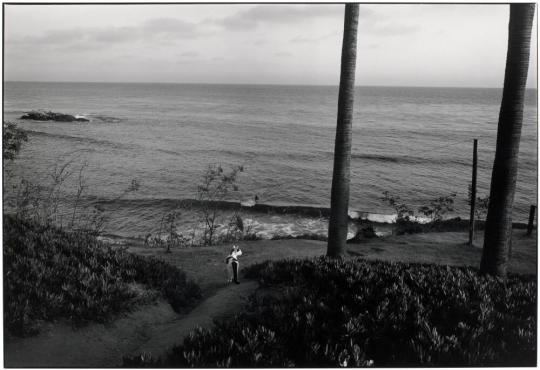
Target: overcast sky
x,y
409,45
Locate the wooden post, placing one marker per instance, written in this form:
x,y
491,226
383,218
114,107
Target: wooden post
x,y
530,225
473,193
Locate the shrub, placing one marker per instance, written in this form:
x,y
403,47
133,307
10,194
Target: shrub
x,y
12,139
438,207
363,233
215,187
403,227
451,224
405,223
52,201
167,237
50,273
332,313
435,210
403,211
482,204
307,236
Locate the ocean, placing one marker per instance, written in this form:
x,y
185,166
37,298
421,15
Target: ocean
x,y
414,142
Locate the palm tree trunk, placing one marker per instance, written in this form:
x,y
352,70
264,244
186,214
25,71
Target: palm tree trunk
x,y
338,226
498,230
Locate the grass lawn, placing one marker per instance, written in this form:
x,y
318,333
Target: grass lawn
x,y
205,265
446,248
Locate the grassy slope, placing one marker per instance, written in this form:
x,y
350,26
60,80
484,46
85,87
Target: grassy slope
x,y
49,274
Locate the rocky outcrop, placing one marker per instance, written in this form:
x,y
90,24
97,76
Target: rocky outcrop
x,y
52,116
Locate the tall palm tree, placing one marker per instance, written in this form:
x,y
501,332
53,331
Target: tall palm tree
x,y
337,229
498,231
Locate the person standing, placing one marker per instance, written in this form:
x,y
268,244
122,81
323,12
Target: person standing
x,y
233,265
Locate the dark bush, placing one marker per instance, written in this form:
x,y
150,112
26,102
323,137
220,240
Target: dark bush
x,y
366,232
12,139
50,273
307,236
357,313
410,227
451,224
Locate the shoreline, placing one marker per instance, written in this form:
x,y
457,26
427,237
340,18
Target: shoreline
x,y
279,208
283,231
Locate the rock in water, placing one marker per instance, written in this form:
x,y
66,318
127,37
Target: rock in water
x,y
52,116
107,119
38,116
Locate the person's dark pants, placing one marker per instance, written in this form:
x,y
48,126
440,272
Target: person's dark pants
x,y
235,271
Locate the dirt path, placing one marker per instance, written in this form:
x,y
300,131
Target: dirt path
x,y
152,329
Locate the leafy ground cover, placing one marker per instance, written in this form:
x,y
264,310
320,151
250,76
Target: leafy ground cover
x,y
321,312
50,273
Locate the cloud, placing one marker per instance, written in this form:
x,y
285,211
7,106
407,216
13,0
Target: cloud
x,y
189,54
390,29
113,35
189,61
371,21
281,14
57,37
90,38
304,39
374,22
172,26
259,42
282,54
166,30
368,14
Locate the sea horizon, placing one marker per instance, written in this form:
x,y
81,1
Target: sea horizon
x,y
259,84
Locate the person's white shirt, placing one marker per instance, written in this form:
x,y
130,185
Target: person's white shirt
x,y
235,254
